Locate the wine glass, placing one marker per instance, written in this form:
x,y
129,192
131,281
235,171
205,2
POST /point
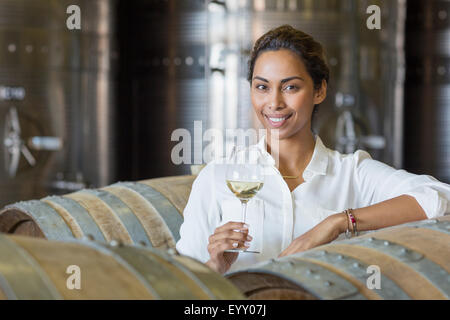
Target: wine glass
x,y
244,177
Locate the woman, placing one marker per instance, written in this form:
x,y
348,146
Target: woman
x,y
304,203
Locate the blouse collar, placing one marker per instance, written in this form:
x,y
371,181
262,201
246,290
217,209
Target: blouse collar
x,y
319,161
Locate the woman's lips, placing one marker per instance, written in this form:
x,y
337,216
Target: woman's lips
x,y
277,121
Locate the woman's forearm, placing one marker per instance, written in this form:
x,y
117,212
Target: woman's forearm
x,y
381,215
388,213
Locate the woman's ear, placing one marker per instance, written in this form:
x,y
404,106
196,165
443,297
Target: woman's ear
x,y
320,94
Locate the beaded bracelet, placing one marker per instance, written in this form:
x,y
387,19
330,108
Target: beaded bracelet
x,y
351,219
348,234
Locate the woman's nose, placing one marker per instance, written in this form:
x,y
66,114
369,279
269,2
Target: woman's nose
x,y
276,101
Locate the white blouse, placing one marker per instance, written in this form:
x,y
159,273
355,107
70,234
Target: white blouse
x,y
276,216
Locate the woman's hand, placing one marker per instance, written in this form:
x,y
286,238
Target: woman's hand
x,y
231,235
325,232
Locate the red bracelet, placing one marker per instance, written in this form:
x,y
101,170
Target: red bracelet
x,y
352,220
348,235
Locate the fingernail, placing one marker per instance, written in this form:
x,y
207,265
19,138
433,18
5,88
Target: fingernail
x,y
247,244
249,238
245,226
235,245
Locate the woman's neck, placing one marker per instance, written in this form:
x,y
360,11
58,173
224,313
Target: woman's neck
x,y
294,153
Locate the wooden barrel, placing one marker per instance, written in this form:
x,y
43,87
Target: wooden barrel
x,y
39,269
413,261
147,212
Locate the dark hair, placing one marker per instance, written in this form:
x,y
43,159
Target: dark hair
x,y
309,50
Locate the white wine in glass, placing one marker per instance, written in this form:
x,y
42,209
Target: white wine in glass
x,y
244,177
244,190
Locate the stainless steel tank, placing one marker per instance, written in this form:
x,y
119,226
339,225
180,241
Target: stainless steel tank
x,y
56,97
162,83
427,89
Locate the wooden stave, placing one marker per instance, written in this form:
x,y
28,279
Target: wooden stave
x,y
157,230
421,229
266,286
79,220
112,272
165,238
167,185
162,208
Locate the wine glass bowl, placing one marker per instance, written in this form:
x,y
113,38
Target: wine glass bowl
x,y
244,177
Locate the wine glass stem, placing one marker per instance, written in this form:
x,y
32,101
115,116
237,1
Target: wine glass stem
x,y
244,211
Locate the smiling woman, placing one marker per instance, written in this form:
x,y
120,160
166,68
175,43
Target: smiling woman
x,y
288,74
288,45
311,194
284,102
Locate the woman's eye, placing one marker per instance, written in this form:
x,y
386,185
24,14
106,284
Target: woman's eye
x,y
291,88
261,87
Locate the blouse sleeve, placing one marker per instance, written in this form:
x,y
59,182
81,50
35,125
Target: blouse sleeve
x,y
377,182
199,216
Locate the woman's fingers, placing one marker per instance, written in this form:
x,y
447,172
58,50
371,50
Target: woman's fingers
x,y
218,247
231,225
230,235
231,231
298,245
284,253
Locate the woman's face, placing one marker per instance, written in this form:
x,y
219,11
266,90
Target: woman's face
x,y
283,94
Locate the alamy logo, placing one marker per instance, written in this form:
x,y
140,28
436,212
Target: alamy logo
x,y
218,143
73,22
74,280
373,21
374,281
